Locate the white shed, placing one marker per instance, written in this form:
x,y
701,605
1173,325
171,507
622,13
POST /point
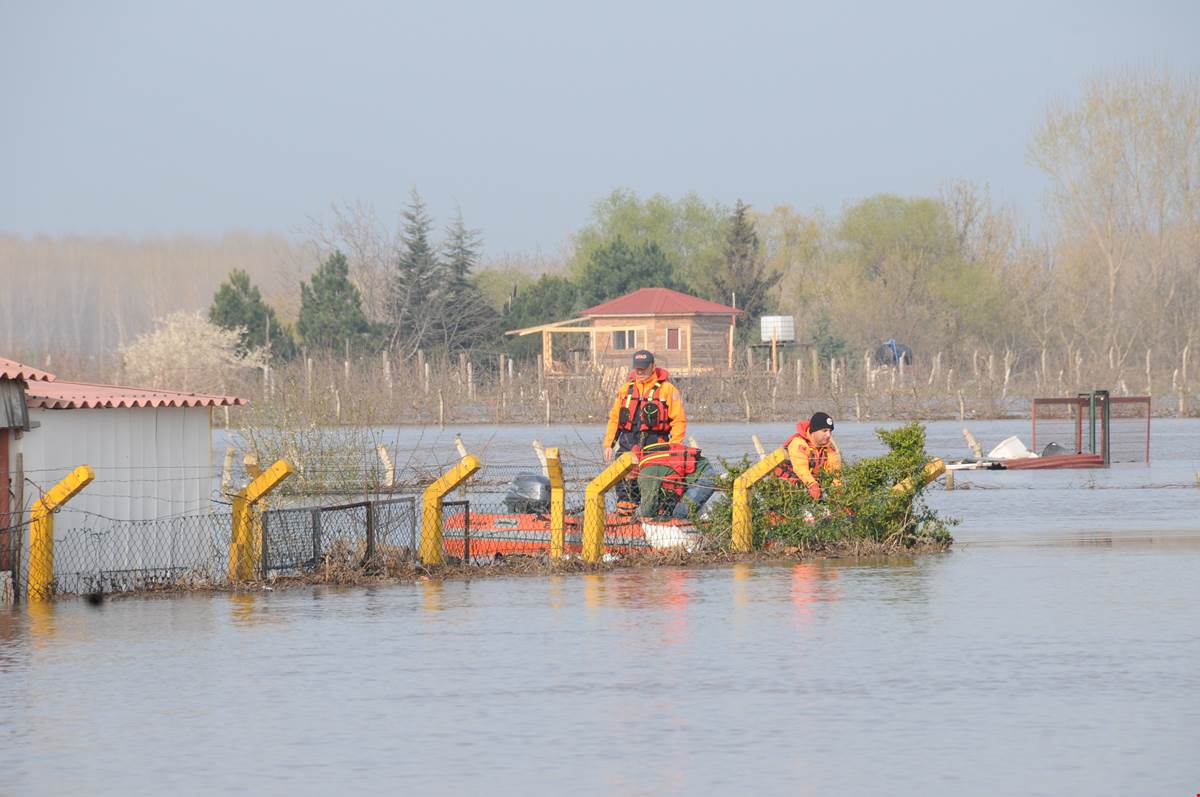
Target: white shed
x,y
152,454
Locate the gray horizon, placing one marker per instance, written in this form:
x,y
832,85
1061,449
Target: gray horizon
x,y
143,120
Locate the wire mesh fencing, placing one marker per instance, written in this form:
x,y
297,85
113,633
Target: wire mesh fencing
x,y
1118,425
92,553
1129,427
12,531
505,512
502,511
356,534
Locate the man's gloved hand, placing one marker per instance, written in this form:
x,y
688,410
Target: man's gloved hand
x,y
608,454
814,490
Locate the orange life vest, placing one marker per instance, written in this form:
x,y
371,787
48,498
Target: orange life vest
x,y
644,413
817,457
681,459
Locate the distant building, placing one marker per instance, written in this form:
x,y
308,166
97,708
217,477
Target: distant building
x,y
687,334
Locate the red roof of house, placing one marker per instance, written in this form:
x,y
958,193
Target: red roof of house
x,y
60,395
11,369
659,301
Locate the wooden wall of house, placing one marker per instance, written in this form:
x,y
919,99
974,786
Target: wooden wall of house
x,y
709,335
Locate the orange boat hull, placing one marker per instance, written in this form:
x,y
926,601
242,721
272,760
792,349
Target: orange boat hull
x,y
529,535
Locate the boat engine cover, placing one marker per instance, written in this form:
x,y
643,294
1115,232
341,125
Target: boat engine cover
x,y
1055,450
528,492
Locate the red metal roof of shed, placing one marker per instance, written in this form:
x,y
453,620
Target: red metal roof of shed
x,y
60,395
659,301
11,369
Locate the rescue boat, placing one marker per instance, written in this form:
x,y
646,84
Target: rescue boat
x,y
523,529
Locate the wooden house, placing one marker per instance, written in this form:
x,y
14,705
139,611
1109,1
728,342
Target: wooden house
x,y
687,334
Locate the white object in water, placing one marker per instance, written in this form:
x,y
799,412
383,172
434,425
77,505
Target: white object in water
x,y
1010,448
671,535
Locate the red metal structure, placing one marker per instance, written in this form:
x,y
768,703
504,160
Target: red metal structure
x,y
1094,425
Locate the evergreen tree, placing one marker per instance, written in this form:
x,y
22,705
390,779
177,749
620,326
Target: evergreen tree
x,y
551,298
744,270
618,268
331,310
460,254
418,281
465,318
239,305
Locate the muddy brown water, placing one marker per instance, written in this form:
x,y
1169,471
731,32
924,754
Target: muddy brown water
x,y
1054,650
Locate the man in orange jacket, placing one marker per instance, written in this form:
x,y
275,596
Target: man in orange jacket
x,y
648,409
812,454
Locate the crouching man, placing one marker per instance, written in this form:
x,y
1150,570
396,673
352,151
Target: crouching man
x,y
674,480
814,461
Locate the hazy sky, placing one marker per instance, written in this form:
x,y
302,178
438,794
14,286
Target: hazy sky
x,y
164,117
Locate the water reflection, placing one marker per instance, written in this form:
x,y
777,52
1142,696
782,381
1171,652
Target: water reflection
x,y
42,624
797,669
676,600
12,631
741,583
555,588
431,595
811,582
593,590
241,609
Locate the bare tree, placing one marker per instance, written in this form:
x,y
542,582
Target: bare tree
x,y
1124,161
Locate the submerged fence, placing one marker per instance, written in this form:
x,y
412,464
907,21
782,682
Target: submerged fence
x,y
471,514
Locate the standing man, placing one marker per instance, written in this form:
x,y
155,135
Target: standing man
x,y
812,456
648,409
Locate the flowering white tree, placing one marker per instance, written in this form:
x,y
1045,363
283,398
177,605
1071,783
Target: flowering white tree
x,y
187,352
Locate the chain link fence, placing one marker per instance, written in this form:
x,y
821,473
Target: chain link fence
x,y
93,553
504,512
356,534
501,512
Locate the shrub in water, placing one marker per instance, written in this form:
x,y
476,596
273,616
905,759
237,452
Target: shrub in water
x,y
863,508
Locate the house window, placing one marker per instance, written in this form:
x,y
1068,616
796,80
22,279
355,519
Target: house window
x,y
624,339
674,338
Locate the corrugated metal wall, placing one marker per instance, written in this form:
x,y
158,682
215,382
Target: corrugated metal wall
x,y
150,464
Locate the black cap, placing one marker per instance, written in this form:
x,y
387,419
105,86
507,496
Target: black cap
x,y
643,359
820,421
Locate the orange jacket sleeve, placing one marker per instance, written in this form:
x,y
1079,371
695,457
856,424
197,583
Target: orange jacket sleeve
x,y
834,461
677,415
798,453
610,434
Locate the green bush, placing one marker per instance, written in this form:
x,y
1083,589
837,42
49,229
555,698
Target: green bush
x,y
864,508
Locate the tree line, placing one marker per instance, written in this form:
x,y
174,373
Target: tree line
x,y
1112,275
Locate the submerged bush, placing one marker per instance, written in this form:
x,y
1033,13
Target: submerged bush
x,y
864,508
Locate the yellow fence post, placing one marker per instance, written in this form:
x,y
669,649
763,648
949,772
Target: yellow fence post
x,y
41,531
431,514
244,543
743,534
934,468
558,499
593,505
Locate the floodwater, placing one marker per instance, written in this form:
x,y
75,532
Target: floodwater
x,y
1055,650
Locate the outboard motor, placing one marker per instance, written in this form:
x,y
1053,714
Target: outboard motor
x,y
529,492
1055,450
